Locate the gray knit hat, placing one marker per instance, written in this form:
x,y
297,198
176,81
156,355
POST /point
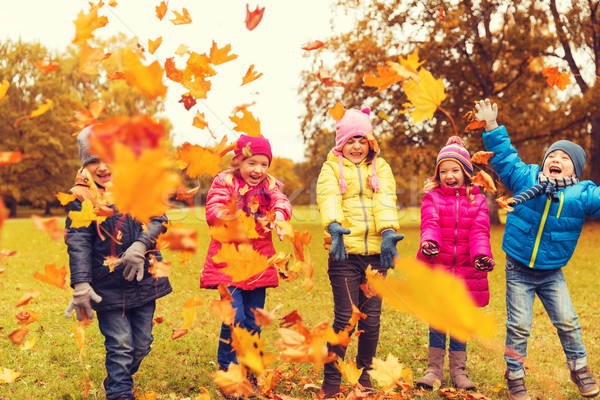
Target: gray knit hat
x,y
575,152
83,140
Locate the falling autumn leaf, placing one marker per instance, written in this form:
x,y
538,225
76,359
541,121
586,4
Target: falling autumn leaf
x,y
27,297
349,370
250,349
45,67
220,56
10,157
79,336
243,262
556,78
233,381
200,121
387,372
86,24
65,198
84,217
263,317
386,77
54,226
482,178
159,269
222,308
109,261
250,76
161,10
442,18
184,194
174,74
198,161
424,94
253,17
182,50
247,123
178,238
9,375
504,203
482,157
154,44
337,112
3,88
317,44
88,116
188,101
325,77
17,336
37,112
148,79
53,275
183,18
90,58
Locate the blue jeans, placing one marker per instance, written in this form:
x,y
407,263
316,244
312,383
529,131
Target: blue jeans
x,y
127,339
522,284
243,303
437,339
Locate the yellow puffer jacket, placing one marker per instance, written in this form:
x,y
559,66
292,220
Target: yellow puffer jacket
x,y
365,212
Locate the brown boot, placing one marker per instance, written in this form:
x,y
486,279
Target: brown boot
x,y
435,369
458,370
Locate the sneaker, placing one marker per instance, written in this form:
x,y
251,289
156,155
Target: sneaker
x,y
517,389
585,382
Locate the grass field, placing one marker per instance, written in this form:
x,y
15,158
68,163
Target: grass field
x,y
177,369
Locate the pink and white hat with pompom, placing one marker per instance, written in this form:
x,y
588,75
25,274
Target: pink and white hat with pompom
x,y
354,123
455,151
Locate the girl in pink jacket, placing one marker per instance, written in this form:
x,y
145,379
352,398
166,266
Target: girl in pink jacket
x,y
256,194
455,235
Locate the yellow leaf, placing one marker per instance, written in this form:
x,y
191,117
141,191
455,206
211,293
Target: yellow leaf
x,y
250,349
53,275
84,217
3,88
189,317
349,371
247,123
233,381
387,372
154,44
65,198
250,76
9,375
181,50
149,176
28,345
42,109
411,63
85,24
198,160
424,94
446,306
205,395
243,262
79,335
148,79
337,111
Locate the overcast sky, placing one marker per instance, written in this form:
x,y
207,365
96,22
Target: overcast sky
x,y
274,47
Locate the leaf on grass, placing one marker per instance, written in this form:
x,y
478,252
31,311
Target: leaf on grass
x,y
53,226
253,17
28,345
448,306
17,336
3,88
45,67
148,79
387,372
27,317
220,56
482,178
183,18
317,44
86,24
154,44
27,297
337,112
161,10
52,275
250,76
9,375
425,94
243,262
178,332
556,78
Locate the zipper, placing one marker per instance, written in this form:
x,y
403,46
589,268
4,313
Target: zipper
x,y
562,198
539,234
455,233
360,196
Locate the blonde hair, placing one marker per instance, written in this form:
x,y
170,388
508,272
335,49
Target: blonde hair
x,y
434,182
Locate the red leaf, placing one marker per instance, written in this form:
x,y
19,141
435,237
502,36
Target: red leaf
x,y
188,101
317,44
253,17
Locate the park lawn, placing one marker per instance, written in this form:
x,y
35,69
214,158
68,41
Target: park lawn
x,y
179,368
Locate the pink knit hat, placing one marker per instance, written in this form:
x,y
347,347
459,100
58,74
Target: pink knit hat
x,y
355,123
455,151
257,145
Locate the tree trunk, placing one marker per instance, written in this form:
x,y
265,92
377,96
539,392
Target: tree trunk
x,y
594,151
12,206
47,211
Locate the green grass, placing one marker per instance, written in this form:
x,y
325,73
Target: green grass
x,y
178,369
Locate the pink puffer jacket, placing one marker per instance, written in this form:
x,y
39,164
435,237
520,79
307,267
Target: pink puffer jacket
x,y
270,198
462,231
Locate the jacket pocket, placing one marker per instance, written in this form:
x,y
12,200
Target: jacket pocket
x,y
557,236
522,225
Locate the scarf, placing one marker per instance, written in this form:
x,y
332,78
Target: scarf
x,y
545,185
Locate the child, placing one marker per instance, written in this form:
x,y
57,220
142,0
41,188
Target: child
x,y
247,179
455,234
356,187
539,239
124,305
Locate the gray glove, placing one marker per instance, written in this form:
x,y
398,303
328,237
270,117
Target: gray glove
x,y
82,295
485,111
388,248
133,259
338,249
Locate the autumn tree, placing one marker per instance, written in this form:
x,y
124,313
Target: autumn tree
x,y
493,49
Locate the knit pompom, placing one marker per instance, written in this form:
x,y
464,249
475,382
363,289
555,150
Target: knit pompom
x,y
375,183
455,140
343,186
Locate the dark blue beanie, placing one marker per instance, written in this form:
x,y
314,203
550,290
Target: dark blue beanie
x,y
575,151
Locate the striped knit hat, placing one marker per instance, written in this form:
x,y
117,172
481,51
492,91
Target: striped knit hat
x,y
455,151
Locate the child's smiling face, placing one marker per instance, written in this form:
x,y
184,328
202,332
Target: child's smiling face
x,y
100,172
558,164
451,174
254,169
356,149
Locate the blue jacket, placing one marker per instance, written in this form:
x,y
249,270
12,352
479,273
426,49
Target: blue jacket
x,y
87,252
539,233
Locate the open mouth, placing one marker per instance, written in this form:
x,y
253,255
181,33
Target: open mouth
x,y
255,179
104,178
452,184
554,169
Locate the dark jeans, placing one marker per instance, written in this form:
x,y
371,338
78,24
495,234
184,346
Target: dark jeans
x,y
346,278
437,339
243,303
127,339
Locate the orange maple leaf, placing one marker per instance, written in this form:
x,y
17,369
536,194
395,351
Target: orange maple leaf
x,y
88,116
65,198
199,120
17,336
242,261
233,381
161,10
222,308
263,317
220,56
90,58
45,67
53,275
113,76
27,317
182,50
109,261
253,17
154,44
148,79
10,157
53,226
174,74
482,157
26,298
482,178
184,194
197,160
556,78
337,111
198,86
250,76
250,349
183,18
86,24
159,269
475,124
387,76
188,101
503,202
237,228
178,238
317,44
247,123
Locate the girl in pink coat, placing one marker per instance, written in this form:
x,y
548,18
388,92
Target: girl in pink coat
x,y
455,235
247,181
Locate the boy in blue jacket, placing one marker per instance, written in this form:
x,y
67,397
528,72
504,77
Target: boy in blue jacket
x,y
550,206
124,305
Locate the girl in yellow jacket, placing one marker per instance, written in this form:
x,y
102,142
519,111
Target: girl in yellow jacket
x,y
356,188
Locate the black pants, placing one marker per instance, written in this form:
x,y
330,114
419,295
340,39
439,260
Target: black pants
x,y
346,278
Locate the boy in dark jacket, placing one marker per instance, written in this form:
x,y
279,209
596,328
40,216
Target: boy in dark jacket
x,y
550,206
124,305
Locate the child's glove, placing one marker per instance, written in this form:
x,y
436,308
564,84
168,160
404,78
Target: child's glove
x,y
133,260
82,295
484,263
279,217
389,238
430,249
337,241
485,111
